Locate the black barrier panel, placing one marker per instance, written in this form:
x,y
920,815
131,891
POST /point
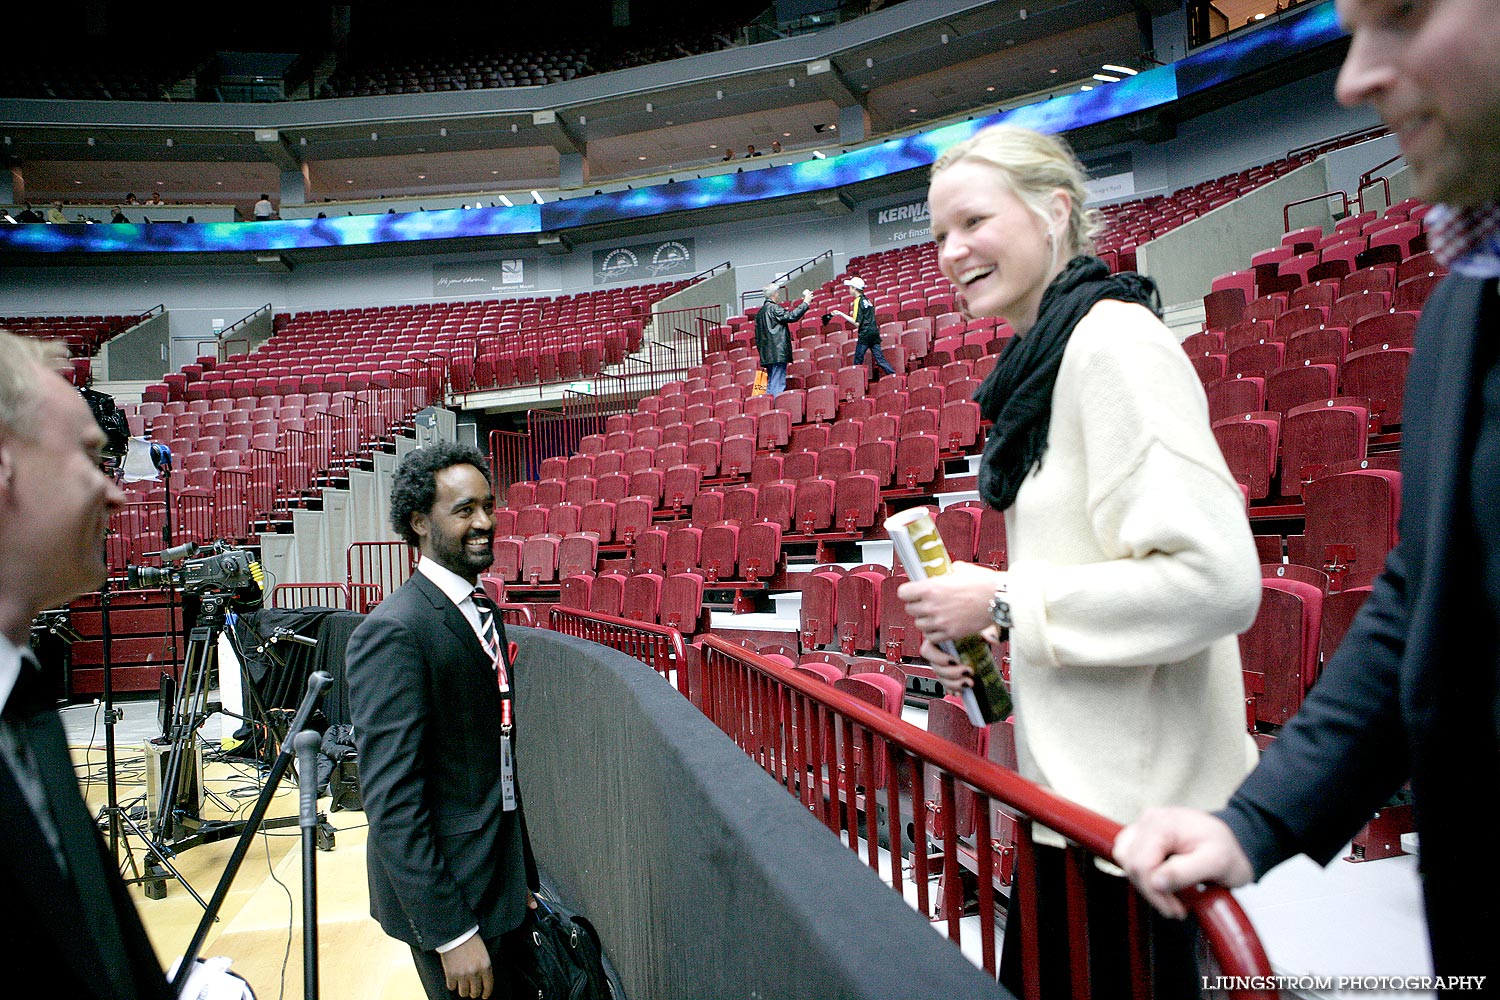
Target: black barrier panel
x,y
705,879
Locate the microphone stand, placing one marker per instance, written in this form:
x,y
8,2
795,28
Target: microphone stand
x,y
307,742
317,682
161,457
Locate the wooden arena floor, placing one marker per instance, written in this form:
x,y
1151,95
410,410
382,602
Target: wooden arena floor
x,y
260,924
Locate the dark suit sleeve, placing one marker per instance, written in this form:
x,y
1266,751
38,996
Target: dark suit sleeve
x,y
390,698
1342,755
1347,750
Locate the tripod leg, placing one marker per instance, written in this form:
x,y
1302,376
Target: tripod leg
x,y
181,732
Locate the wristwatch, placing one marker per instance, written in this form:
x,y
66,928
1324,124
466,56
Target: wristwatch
x,y
1000,607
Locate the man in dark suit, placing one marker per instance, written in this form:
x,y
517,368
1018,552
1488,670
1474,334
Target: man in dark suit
x,y
429,693
67,924
1412,693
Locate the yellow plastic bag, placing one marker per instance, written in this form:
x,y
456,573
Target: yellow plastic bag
x,y
762,379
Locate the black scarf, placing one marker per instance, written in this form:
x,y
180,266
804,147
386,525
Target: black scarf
x,y
1017,396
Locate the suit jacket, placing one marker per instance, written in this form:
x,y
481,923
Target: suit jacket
x,y
1410,693
73,934
442,854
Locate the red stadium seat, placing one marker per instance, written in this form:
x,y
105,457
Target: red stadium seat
x,y
650,552
1250,445
1379,374
682,603
1232,397
819,612
760,550
859,608
1352,520
683,545
641,599
1317,435
1279,652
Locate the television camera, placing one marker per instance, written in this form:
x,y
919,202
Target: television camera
x,y
219,567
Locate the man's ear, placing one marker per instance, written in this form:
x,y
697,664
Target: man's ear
x,y
419,522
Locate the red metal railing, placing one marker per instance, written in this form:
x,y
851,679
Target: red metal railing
x,y
517,614
829,749
134,529
360,597
659,647
236,496
661,342
1286,210
310,595
509,453
386,564
196,517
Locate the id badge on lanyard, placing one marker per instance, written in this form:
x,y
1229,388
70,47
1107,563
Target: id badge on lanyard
x,y
507,756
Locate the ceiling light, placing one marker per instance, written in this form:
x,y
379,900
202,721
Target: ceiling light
x,y
219,183
713,145
640,157
989,90
349,182
1053,70
494,171
421,177
536,196
1086,87
1119,69
786,135
1106,78
912,110
506,202
78,182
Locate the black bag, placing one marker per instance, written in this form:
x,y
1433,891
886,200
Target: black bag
x,y
561,958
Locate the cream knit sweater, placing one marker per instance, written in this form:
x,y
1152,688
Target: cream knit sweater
x,y
1132,569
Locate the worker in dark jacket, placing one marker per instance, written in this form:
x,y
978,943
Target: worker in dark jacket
x,y
863,320
772,339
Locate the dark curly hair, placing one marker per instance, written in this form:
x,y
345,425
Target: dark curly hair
x,y
415,486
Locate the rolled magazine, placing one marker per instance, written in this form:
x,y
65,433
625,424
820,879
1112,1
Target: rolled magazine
x,y
920,548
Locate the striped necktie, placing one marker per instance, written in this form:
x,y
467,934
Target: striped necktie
x,y
488,634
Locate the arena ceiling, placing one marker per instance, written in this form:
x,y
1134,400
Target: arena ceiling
x,y
976,58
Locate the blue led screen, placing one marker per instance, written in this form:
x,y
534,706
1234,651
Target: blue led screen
x,y
1137,93
282,234
1292,33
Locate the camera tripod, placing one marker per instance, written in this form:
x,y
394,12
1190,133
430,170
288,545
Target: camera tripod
x,y
178,825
